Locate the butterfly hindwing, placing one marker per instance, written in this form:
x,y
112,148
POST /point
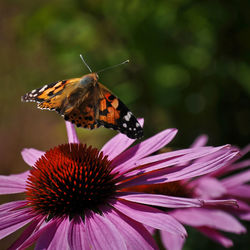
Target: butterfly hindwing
x,y
113,113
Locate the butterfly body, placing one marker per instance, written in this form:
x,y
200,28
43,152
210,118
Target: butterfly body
x,y
87,103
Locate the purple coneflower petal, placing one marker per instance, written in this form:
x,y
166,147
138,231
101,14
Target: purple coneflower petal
x,y
172,241
71,132
242,191
5,208
143,149
102,234
134,233
160,200
26,234
183,172
118,144
216,236
214,218
13,220
200,141
177,158
239,165
49,227
208,187
13,183
31,155
236,179
55,238
150,216
77,234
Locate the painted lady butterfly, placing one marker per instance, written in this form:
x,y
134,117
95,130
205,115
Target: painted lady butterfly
x,y
87,103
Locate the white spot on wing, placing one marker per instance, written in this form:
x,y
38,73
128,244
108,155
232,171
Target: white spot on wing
x,y
43,88
127,116
124,125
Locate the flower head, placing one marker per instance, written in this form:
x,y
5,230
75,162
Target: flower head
x,y
225,183
75,196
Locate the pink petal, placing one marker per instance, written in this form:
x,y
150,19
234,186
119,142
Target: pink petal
x,y
13,183
168,159
184,172
134,233
143,149
118,144
31,155
48,228
55,238
7,207
217,219
242,191
26,234
216,236
200,141
238,165
160,200
150,216
208,187
245,150
172,241
236,179
245,216
102,234
77,234
13,220
71,132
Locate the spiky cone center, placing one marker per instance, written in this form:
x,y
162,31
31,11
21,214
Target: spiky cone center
x,y
70,179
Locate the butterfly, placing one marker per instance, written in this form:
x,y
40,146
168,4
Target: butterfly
x,y
87,103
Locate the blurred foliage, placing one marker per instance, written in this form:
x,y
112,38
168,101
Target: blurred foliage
x,y
189,69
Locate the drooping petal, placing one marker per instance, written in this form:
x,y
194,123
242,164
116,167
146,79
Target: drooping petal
x,y
31,155
172,241
216,236
134,233
12,184
150,216
55,238
160,200
13,220
77,238
118,144
71,132
213,218
102,234
143,149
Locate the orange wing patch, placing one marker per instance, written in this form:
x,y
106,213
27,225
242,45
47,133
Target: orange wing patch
x,y
82,118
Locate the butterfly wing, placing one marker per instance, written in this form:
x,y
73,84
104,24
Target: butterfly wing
x,y
114,114
53,96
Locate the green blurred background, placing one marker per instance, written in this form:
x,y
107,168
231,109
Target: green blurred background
x,y
190,69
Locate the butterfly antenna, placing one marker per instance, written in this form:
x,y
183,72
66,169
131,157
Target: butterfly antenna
x,y
85,63
111,67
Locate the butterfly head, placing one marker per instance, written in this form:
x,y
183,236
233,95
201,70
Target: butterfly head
x,y
91,78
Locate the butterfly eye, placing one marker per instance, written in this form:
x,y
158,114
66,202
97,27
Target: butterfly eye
x,y
86,80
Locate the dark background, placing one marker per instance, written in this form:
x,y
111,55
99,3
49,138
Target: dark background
x,y
189,69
